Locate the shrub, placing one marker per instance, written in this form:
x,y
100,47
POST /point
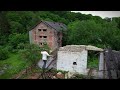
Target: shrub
x,y
21,46
15,39
8,48
31,53
4,54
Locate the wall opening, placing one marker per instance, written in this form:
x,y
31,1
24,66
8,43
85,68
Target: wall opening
x,y
39,29
44,29
74,63
40,44
40,36
93,60
44,36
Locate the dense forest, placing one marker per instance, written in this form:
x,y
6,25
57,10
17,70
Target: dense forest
x,y
82,29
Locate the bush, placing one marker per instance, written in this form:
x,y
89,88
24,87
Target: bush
x,y
8,48
21,46
16,39
4,54
31,53
93,62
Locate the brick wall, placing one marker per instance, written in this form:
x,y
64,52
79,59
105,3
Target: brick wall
x,y
39,36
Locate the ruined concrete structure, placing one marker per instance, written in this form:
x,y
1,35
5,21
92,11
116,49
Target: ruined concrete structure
x,y
73,58
47,32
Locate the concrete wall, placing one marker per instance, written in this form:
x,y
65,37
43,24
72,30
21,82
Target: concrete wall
x,y
65,61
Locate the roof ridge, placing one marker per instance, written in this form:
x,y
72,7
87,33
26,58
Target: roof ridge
x,y
47,23
53,22
56,25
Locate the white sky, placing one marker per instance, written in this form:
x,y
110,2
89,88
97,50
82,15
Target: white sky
x,y
102,14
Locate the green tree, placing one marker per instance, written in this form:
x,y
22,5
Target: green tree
x,y
4,28
31,53
4,54
15,39
91,32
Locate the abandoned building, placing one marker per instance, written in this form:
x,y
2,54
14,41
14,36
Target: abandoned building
x,y
47,32
73,58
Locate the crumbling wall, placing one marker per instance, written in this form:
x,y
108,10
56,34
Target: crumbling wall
x,y
72,58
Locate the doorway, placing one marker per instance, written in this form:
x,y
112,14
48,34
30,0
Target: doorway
x,y
93,60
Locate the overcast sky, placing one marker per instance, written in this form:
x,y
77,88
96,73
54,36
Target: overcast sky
x,y
102,14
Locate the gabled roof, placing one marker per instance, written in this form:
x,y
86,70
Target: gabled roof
x,y
56,25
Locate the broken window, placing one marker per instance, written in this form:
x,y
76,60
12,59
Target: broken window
x,y
74,63
39,29
40,43
40,36
44,36
44,29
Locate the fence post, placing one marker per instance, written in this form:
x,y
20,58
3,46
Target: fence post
x,y
108,55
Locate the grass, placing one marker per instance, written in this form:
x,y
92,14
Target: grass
x,y
34,70
13,66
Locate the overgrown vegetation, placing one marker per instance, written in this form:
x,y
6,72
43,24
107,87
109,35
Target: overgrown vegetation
x,y
93,59
93,63
31,53
82,29
12,66
4,53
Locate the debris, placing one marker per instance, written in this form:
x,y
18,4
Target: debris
x,y
60,75
54,77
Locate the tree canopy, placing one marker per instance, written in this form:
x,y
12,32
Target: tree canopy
x,y
82,29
